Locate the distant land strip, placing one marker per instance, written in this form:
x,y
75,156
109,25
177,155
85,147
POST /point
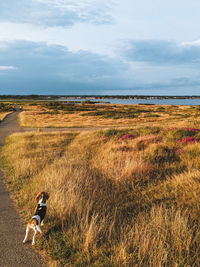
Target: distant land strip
x,y
55,97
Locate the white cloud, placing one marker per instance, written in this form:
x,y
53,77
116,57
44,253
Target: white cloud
x,y
83,8
99,39
7,68
194,43
48,13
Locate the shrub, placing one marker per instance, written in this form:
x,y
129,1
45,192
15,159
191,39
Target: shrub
x,y
146,130
6,107
144,141
108,114
118,133
175,134
164,154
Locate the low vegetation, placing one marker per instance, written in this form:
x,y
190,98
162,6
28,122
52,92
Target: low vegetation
x,y
57,114
127,197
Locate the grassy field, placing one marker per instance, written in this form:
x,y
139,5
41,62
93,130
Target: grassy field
x,y
118,197
54,114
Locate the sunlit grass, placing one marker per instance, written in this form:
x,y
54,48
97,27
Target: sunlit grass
x,y
127,197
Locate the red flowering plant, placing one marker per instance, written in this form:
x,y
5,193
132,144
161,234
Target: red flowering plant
x,y
127,137
189,140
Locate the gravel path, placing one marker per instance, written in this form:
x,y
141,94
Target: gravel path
x,y
12,229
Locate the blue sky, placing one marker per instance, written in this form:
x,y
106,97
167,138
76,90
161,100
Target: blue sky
x,y
100,47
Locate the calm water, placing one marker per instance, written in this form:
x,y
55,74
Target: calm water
x,y
192,102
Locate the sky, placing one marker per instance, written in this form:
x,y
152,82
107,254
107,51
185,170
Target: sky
x,y
100,47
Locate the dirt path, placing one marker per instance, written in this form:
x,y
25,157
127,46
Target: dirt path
x,y
12,251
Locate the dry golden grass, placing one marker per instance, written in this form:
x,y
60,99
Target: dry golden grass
x,y
3,115
113,201
163,237
34,117
40,116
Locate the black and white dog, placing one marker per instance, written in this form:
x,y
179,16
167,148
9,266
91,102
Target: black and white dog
x,y
39,214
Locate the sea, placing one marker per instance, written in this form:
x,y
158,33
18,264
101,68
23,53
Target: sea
x,y
154,101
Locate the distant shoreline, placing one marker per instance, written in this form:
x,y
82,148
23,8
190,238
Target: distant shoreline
x,y
90,97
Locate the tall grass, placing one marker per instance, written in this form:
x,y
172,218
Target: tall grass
x,y
113,201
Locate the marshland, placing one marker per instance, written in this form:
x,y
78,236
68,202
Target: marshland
x,y
125,194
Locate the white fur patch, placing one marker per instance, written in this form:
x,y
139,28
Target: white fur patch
x,y
37,217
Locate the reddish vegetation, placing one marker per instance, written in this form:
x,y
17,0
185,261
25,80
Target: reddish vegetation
x,y
192,129
189,140
127,136
180,151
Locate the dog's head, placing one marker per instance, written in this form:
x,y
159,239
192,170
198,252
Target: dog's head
x,y
42,197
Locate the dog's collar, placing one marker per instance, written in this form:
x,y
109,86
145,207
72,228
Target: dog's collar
x,y
42,204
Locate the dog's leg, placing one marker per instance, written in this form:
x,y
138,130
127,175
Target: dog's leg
x,y
38,229
34,235
26,235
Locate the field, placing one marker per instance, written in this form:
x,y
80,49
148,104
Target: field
x,y
118,197
55,114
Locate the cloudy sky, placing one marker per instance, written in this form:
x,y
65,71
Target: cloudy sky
x,y
100,47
